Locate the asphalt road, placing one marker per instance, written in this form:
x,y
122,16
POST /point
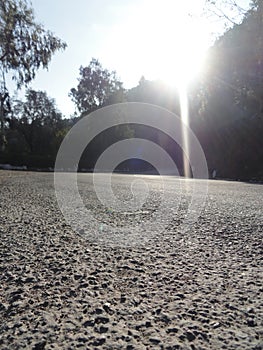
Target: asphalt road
x,y
161,273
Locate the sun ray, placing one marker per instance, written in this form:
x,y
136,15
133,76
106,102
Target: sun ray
x,y
164,43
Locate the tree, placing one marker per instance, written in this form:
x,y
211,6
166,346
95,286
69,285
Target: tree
x,y
38,120
155,92
25,46
97,87
230,12
230,129
236,61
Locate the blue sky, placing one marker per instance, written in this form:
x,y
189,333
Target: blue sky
x,y
83,25
133,37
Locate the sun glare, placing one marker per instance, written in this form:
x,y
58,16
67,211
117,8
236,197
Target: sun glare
x,y
164,42
178,54
161,40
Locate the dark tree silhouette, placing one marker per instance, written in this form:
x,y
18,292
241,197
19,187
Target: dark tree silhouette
x,y
38,120
97,87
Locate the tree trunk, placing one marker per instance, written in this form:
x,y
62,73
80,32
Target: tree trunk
x,y
2,126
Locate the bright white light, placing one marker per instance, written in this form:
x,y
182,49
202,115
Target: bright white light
x,y
160,41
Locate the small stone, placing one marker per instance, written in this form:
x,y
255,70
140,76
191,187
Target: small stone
x,y
130,347
172,330
216,325
155,340
181,296
45,304
4,306
107,308
77,276
251,323
98,311
123,298
30,279
89,323
165,318
82,339
70,326
190,336
148,324
23,329
40,346
16,297
103,329
99,341
102,319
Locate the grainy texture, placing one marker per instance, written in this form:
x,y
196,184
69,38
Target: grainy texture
x,y
60,290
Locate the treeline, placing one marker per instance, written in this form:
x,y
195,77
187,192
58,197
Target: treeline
x,y
225,110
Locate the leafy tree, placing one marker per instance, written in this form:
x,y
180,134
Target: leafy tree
x,y
236,62
25,46
231,99
39,121
97,87
155,92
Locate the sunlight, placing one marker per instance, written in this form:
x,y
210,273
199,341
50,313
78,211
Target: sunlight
x,y
181,49
164,43
185,119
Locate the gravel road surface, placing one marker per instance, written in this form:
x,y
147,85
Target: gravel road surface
x,y
64,290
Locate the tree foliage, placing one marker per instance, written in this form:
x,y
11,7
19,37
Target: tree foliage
x,y
25,46
38,123
231,100
97,87
235,68
154,92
